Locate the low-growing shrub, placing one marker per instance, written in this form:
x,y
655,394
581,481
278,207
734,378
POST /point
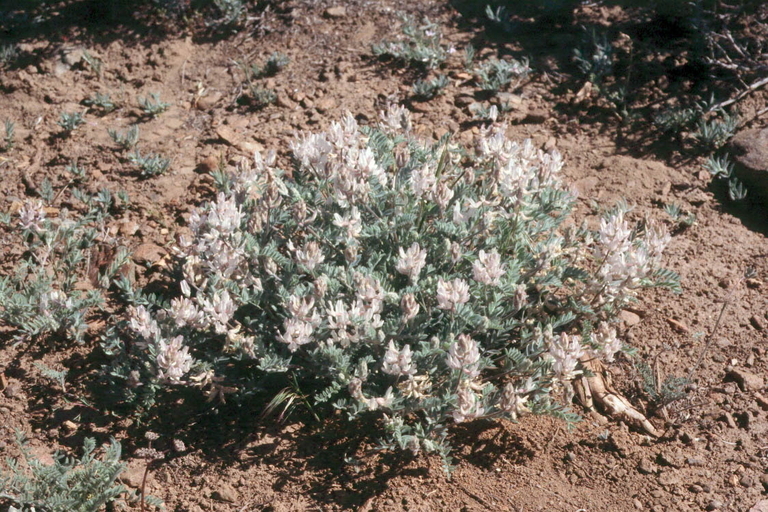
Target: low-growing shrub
x,y
496,75
56,284
68,484
421,282
419,44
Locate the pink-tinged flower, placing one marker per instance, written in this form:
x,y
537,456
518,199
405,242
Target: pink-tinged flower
x,y
464,355
310,256
468,407
173,360
32,215
297,333
412,261
398,362
488,269
565,352
409,306
451,294
513,399
185,312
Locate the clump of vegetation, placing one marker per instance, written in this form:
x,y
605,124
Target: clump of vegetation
x,y
419,44
102,101
722,169
43,296
68,485
416,281
8,53
10,129
151,164
260,97
70,122
127,139
497,74
153,106
428,89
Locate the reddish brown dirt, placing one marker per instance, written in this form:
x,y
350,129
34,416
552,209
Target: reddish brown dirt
x,y
713,455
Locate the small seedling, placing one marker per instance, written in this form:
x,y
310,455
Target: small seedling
x,y
231,10
93,62
469,56
495,75
8,53
153,105
276,63
685,219
10,128
260,97
126,139
427,90
595,57
150,165
722,168
71,122
420,44
103,101
715,132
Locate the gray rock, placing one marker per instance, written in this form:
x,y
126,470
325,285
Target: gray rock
x,y
750,152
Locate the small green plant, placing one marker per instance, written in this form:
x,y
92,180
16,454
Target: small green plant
x,y
685,219
94,63
595,58
86,484
103,101
420,44
495,74
57,376
153,106
675,120
715,132
232,11
261,97
70,122
275,63
151,164
8,53
127,139
722,168
41,297
426,90
10,129
469,56
661,394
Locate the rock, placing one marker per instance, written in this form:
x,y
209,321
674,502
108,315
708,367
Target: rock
x,y
677,325
747,381
760,506
148,254
629,318
225,493
208,164
757,322
694,461
208,101
325,104
750,151
746,481
69,425
227,134
715,505
463,100
337,11
764,481
285,102
133,475
646,467
538,116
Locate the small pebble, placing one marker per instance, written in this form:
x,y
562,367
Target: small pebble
x,y
715,505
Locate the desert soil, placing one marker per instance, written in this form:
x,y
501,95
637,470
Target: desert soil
x,y
713,454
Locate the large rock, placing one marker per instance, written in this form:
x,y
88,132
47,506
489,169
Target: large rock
x,y
750,151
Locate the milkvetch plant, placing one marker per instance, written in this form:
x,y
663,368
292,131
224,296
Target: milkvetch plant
x,y
425,283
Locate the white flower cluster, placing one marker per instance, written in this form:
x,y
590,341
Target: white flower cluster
x,y
625,262
401,273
